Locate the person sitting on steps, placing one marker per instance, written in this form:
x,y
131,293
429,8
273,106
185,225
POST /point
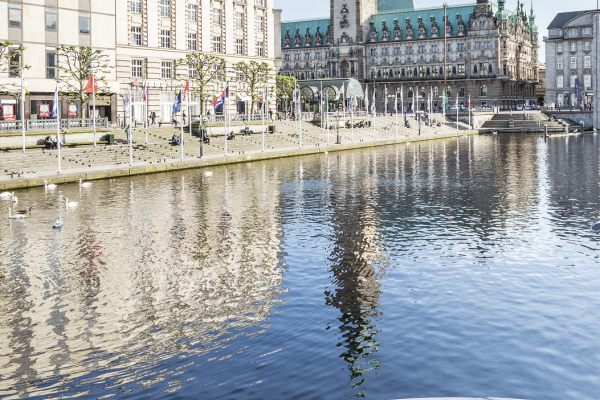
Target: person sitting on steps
x,y
205,138
247,131
231,136
175,140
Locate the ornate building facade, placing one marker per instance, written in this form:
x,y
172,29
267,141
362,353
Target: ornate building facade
x,y
487,52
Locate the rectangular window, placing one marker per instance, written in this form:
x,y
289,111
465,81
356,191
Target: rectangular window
x,y
448,47
50,64
260,3
216,16
373,52
260,52
573,46
559,48
559,63
461,69
259,24
216,44
192,43
14,15
559,81
421,49
586,46
51,20
587,31
385,51
136,35
165,69
587,62
317,56
587,81
239,48
192,10
136,6
239,20
165,39
573,77
192,73
409,50
574,62
84,23
136,68
573,32
165,8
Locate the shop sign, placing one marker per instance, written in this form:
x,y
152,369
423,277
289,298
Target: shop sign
x,y
72,110
8,112
43,110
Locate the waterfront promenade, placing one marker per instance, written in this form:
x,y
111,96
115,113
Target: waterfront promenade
x,y
32,168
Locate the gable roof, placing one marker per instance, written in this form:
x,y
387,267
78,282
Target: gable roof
x,y
301,26
561,19
391,5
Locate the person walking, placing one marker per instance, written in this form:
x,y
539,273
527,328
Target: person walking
x,y
183,117
153,117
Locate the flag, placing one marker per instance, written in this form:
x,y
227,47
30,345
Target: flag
x,y
340,93
221,98
396,101
177,104
350,103
91,85
367,97
145,90
266,103
457,101
469,103
55,103
186,91
320,96
373,102
127,100
24,86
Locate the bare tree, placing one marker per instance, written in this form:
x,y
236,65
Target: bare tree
x,y
252,77
11,61
204,71
75,65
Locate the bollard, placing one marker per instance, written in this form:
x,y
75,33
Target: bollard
x,y
582,124
545,130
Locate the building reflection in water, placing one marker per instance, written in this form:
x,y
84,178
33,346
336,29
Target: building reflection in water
x,y
357,263
145,270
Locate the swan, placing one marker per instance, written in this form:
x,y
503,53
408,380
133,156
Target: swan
x,y
13,198
25,211
58,224
84,184
50,186
70,204
208,173
18,216
5,194
326,152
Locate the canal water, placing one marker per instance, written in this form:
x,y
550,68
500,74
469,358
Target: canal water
x,y
459,267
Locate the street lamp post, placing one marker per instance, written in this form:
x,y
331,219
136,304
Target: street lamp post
x,y
337,115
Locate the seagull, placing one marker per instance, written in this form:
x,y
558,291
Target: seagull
x,y
70,204
58,224
84,184
50,186
18,216
13,198
208,173
5,194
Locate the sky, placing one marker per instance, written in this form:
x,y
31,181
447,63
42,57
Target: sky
x,y
544,10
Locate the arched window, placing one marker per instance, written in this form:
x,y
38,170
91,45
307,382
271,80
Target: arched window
x,y
449,91
490,68
475,69
422,93
410,93
379,74
415,73
441,71
483,25
436,93
302,76
403,72
483,90
391,73
454,70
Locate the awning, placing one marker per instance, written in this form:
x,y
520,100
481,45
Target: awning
x,y
242,97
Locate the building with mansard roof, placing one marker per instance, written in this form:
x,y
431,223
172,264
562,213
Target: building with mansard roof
x,y
489,52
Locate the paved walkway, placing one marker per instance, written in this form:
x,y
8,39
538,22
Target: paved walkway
x,y
34,166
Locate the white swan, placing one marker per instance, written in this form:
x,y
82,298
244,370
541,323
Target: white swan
x,y
13,198
5,194
70,204
58,224
208,173
18,216
50,186
84,184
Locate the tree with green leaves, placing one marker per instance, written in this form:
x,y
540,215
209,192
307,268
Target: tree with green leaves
x,y
205,70
284,86
75,66
252,77
11,60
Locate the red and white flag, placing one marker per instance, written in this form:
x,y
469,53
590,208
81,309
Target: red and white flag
x,y
186,91
91,85
144,90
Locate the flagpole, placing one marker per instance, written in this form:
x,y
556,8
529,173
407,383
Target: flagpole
x,y
22,106
469,109
181,110
327,118
300,118
396,110
226,104
58,146
352,116
444,105
321,104
130,131
146,106
263,119
385,105
374,108
457,111
189,94
94,104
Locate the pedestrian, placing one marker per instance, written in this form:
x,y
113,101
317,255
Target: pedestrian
x,y
510,109
183,117
128,133
271,115
153,117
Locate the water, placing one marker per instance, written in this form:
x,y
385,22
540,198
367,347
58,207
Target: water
x,y
460,267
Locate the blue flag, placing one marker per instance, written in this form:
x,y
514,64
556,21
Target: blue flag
x,y
55,104
177,104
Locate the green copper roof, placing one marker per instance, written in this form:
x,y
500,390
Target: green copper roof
x,y
464,11
391,5
561,19
301,26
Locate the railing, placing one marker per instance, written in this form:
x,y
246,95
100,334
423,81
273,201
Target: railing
x,y
50,124
10,125
216,119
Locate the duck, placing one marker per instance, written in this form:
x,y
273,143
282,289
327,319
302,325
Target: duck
x,y
5,194
84,184
25,211
57,224
50,186
70,204
208,173
14,199
18,216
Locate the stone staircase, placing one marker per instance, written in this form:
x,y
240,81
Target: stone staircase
x,y
516,121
